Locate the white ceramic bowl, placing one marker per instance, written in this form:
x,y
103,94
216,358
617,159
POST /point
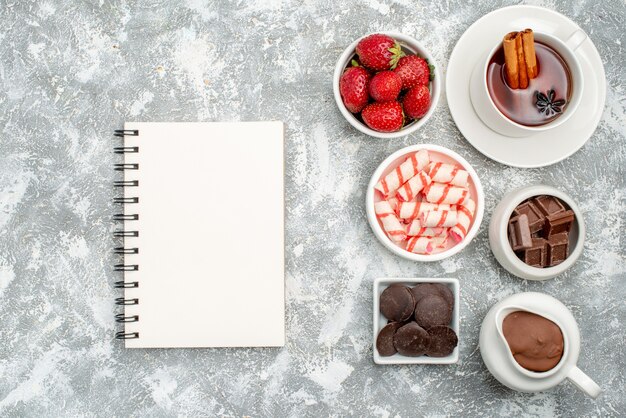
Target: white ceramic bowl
x,y
498,234
497,356
409,44
380,321
396,158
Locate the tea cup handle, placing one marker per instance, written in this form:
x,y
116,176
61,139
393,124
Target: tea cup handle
x,y
584,382
576,39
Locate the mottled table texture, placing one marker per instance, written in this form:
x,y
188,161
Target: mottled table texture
x,y
72,71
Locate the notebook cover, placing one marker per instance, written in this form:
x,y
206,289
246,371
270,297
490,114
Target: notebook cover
x,y
211,234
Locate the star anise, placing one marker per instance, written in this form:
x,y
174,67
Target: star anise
x,y
547,103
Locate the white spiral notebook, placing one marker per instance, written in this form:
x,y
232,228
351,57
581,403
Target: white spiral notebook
x,y
203,235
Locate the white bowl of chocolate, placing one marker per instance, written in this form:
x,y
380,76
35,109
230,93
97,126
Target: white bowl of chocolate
x,y
537,232
416,321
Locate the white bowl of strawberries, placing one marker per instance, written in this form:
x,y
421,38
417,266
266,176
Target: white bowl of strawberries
x,y
386,84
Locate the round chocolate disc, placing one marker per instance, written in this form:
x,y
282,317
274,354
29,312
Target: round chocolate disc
x,y
411,340
384,341
433,310
397,303
443,339
446,293
423,289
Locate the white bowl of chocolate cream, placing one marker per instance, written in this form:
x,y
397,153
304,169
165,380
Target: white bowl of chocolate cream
x,y
530,342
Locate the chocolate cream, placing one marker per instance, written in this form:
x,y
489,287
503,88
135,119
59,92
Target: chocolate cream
x,y
535,342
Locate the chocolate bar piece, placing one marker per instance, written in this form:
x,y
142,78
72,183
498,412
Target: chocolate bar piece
x,y
549,205
520,230
536,256
535,217
558,248
512,236
557,223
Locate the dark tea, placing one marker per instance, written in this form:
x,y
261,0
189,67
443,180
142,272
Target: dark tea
x,y
546,96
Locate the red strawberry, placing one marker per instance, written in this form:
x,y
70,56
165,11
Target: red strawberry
x,y
379,52
413,70
353,88
385,86
383,117
416,102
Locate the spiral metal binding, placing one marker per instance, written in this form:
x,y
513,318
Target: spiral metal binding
x,y
126,302
125,150
126,267
124,217
122,167
125,285
122,318
126,183
126,132
126,200
121,335
123,251
125,234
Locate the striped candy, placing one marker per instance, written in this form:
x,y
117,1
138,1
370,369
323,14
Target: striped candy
x,y
409,168
388,218
411,188
425,245
394,203
439,218
420,245
448,173
465,215
412,210
445,193
415,229
440,242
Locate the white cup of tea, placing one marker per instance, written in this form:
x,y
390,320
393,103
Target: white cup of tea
x,y
494,118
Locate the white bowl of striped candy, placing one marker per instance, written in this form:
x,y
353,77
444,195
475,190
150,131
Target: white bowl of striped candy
x,y
425,203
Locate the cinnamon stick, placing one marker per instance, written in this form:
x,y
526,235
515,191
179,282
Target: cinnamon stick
x,y
528,42
510,60
521,62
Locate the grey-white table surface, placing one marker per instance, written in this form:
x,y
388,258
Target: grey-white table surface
x,y
72,71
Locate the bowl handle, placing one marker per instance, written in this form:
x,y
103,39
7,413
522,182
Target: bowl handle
x,y
584,382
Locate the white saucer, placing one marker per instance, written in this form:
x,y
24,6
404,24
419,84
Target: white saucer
x,y
495,354
543,148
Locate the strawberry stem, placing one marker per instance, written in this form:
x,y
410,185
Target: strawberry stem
x,y
397,53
